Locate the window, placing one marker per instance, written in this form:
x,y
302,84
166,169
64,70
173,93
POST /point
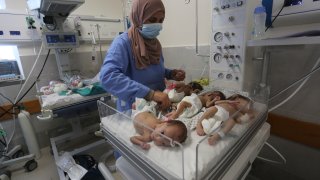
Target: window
x,y
2,4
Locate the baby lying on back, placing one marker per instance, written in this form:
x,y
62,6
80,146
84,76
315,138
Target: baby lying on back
x,y
150,129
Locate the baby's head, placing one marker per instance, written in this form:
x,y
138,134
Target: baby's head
x,y
244,102
217,95
174,129
192,87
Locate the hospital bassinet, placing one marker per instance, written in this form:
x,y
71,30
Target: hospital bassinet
x,y
193,159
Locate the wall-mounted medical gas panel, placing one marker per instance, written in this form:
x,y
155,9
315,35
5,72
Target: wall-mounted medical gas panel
x,y
230,31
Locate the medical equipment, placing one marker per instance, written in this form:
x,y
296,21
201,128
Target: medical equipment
x,y
11,71
296,12
54,7
230,60
56,36
194,159
293,18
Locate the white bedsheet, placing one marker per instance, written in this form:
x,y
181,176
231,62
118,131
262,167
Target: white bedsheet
x,y
54,100
170,158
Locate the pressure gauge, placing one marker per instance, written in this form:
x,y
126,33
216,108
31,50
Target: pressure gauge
x,y
218,37
220,75
217,58
229,76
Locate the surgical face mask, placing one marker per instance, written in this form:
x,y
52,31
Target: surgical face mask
x,y
151,31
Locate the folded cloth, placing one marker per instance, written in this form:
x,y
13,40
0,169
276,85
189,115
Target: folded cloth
x,y
93,89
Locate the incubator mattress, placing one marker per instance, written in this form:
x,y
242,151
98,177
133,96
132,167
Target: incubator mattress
x,y
170,159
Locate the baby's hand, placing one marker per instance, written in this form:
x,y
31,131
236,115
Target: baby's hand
x,y
134,106
172,115
212,140
199,130
145,146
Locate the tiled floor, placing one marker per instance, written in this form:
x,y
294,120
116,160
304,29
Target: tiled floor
x,y
46,169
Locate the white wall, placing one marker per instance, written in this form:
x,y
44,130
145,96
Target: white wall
x,y
179,24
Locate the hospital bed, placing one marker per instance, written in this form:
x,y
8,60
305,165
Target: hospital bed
x,y
80,112
193,159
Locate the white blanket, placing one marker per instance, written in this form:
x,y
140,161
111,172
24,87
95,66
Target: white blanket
x,y
170,159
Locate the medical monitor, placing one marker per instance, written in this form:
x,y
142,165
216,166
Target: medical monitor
x,y
10,65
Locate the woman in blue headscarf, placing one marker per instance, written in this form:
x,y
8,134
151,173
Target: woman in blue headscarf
x,y
134,65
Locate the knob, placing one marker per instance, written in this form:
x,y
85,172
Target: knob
x,y
231,56
233,34
219,47
231,18
229,76
227,34
227,5
226,56
216,9
223,7
237,56
232,46
239,3
226,47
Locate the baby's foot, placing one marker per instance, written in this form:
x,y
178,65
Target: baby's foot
x,y
212,140
199,130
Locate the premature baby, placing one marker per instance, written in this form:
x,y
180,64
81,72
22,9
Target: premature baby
x,y
152,129
226,112
191,105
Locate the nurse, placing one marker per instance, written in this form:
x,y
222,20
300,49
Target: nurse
x,y
134,64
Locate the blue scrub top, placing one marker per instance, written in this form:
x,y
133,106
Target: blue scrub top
x,y
120,77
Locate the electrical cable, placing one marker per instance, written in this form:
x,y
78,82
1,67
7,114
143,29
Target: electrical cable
x,y
29,75
284,3
314,69
278,153
14,119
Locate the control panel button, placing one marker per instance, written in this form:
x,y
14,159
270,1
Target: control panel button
x,y
231,18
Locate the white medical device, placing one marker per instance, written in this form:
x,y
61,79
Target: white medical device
x,y
296,12
54,7
56,36
297,18
231,28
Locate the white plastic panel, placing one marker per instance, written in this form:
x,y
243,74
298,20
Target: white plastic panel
x,y
19,29
231,18
228,44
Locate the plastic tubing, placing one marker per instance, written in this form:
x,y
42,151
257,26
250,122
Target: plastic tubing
x,y
297,90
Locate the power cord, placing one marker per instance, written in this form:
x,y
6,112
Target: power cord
x,y
277,152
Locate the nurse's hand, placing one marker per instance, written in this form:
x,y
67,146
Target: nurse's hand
x,y
162,99
178,74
